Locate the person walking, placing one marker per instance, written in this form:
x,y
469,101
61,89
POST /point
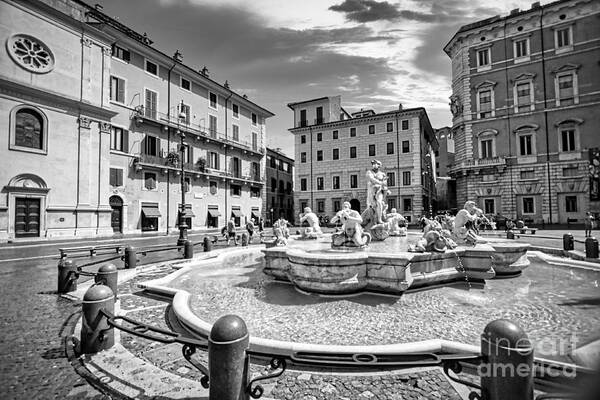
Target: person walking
x,y
589,223
261,230
250,229
231,231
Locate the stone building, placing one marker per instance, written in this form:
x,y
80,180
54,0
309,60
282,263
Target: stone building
x,y
278,199
92,116
525,104
444,185
334,149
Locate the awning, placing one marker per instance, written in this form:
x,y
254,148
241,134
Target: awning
x,y
151,212
214,213
255,214
188,213
237,213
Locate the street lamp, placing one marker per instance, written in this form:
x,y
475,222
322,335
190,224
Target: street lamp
x,y
428,179
183,235
272,220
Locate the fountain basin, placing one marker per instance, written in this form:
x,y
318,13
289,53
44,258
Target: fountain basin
x,y
510,259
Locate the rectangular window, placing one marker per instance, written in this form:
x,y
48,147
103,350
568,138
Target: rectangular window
x,y
571,203
151,145
353,152
527,174
483,57
521,48
571,171
371,150
406,146
565,87
391,178
303,157
149,180
320,206
371,129
407,205
352,132
214,160
254,192
273,185
303,184
254,119
389,127
151,68
353,181
563,37
568,139
489,206
236,190
404,124
319,155
121,53
150,221
390,148
302,139
116,177
528,205
186,84
235,132
485,104
212,100
525,145
523,96
212,126
319,137
320,183
487,148
303,120
336,154
406,178
117,89
319,119
118,139
235,110
336,204
151,104
334,135
391,201
254,141
335,183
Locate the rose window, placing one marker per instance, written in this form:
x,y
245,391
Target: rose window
x,y
30,53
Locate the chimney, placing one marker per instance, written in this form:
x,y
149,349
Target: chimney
x,y
226,84
535,5
514,11
178,56
400,106
204,71
245,96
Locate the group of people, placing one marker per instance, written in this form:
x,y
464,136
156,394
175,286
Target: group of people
x,y
230,233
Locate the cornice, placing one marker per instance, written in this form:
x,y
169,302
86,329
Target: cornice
x,y
360,121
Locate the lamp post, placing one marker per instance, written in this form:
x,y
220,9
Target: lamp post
x,y
183,234
272,220
428,179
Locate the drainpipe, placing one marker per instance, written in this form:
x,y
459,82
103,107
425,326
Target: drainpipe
x,y
169,145
398,159
510,172
225,153
546,117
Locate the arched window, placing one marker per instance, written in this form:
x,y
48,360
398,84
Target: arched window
x,y
28,128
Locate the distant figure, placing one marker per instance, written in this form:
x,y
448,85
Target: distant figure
x,y
589,223
261,230
231,231
250,229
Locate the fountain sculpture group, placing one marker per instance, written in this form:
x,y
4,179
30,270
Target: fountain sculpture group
x,y
450,249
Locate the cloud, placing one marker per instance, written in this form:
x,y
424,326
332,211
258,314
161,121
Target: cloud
x,y
367,10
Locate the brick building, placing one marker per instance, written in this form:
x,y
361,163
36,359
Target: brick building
x,y
93,128
526,109
334,149
278,199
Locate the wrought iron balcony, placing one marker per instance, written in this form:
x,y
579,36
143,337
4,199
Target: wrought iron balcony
x,y
478,163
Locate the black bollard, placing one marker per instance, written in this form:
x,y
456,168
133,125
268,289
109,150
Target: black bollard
x,y
96,334
130,257
67,276
510,234
188,249
227,359
207,243
591,247
568,242
108,275
507,369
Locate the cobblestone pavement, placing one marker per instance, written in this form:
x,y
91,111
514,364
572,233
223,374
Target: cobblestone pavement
x,y
33,363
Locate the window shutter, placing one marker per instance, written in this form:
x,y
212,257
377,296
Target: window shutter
x,y
158,149
190,154
121,90
126,55
119,175
112,177
125,141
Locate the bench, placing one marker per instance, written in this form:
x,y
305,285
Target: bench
x,y
91,249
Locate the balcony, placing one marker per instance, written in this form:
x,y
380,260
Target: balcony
x,y
303,123
319,120
201,132
478,163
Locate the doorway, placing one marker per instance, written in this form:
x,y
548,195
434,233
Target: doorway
x,y
116,216
27,217
355,205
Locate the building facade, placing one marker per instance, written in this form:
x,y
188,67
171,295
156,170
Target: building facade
x,y
334,149
444,185
278,199
99,125
526,107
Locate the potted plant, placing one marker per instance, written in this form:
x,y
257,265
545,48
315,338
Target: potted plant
x,y
173,158
201,164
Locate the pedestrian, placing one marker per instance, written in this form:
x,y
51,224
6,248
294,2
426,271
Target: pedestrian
x,y
589,223
261,230
250,229
231,231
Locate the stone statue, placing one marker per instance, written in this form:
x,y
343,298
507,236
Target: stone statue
x,y
464,224
352,234
377,191
313,229
436,237
281,232
396,223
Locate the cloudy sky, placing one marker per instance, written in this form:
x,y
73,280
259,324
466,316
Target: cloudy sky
x,y
375,54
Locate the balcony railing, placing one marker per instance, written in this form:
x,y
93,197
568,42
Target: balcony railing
x,y
190,127
478,163
318,120
303,123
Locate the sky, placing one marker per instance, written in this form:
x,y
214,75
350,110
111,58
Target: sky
x,y
375,54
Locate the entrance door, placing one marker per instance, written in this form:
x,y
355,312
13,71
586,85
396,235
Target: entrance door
x,y
116,216
355,205
27,217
